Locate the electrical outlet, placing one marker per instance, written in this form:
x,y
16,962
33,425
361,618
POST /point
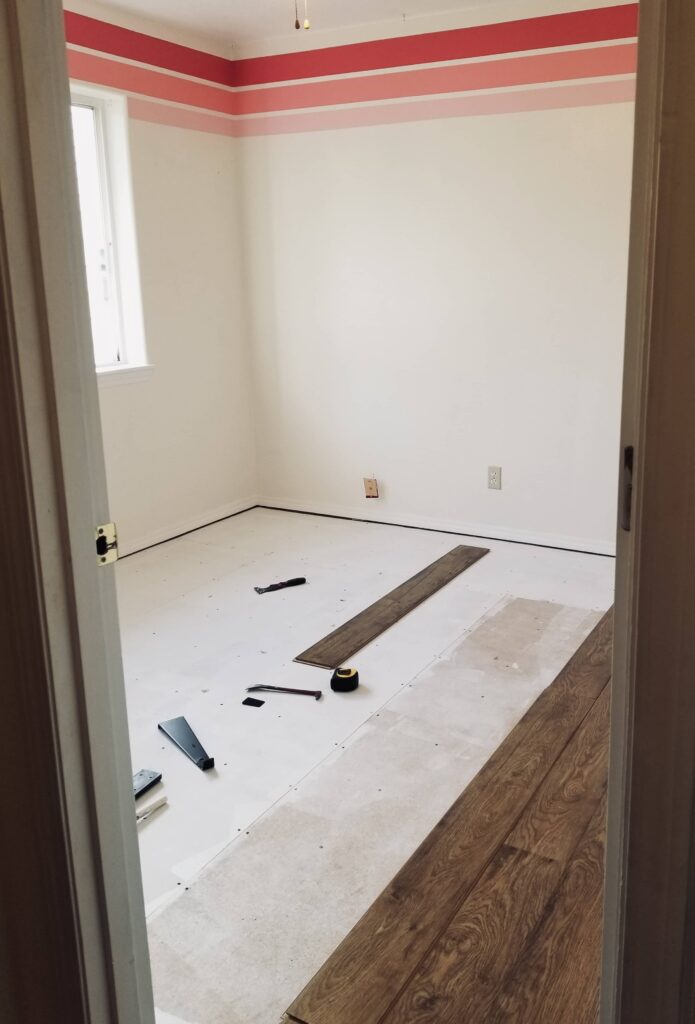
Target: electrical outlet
x,y
371,487
494,478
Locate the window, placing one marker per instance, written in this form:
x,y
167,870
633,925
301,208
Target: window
x,y
99,125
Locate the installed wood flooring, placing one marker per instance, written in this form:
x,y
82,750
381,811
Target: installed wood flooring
x,y
497,915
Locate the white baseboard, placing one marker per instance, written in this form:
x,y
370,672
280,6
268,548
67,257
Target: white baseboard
x,y
131,545
483,531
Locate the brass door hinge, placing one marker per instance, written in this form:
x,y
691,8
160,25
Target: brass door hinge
x,y
107,543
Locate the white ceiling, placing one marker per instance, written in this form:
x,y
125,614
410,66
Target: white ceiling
x,y
244,20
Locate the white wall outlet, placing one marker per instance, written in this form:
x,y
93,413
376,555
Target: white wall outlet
x,y
371,487
494,478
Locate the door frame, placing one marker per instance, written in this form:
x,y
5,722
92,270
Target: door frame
x,y
69,858
69,864
649,946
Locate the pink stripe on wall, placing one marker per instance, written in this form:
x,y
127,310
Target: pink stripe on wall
x,y
86,67
181,117
495,74
214,103
513,71
569,29
555,98
589,94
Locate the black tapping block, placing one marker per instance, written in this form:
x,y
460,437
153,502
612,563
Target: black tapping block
x,y
179,732
143,780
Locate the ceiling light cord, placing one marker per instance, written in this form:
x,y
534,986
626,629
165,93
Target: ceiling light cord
x,y
297,22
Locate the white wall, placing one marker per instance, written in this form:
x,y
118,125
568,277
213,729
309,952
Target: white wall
x,y
332,24
180,446
432,298
415,301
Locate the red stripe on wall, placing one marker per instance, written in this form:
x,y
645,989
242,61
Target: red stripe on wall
x,y
564,65
605,23
574,28
123,42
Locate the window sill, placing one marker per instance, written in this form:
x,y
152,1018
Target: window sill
x,y
111,376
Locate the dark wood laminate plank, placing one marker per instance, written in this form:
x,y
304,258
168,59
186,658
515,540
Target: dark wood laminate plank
x,y
556,980
375,961
561,809
336,648
459,977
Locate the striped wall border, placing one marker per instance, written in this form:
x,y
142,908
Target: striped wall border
x,y
574,59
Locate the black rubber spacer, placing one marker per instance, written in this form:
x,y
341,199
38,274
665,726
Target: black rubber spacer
x,y
345,680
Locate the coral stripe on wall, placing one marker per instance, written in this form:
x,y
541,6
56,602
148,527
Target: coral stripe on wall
x,y
93,34
87,67
201,91
586,94
494,74
513,71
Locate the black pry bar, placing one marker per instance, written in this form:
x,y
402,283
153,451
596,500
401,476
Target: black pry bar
x,y
297,582
316,694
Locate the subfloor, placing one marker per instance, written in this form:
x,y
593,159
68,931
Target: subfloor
x,y
255,872
497,915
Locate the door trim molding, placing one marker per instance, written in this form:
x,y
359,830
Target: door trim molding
x,y
69,861
649,942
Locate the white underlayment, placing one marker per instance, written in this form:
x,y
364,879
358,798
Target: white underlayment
x,y
255,871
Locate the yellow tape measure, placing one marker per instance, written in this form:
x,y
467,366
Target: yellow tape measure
x,y
344,680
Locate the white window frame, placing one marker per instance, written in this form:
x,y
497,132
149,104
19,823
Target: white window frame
x,y
111,117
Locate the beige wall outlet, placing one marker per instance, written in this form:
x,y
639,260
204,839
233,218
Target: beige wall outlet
x,y
371,487
494,478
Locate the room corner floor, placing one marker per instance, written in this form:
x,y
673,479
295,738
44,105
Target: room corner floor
x,y
316,805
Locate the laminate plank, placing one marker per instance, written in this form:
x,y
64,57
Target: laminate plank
x,y
459,977
561,809
336,648
557,978
374,962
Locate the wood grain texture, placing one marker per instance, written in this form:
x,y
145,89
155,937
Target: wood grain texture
x,y
369,969
558,815
458,980
557,978
460,977
336,648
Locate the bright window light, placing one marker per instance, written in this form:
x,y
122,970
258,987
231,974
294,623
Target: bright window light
x,y
104,304
99,125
